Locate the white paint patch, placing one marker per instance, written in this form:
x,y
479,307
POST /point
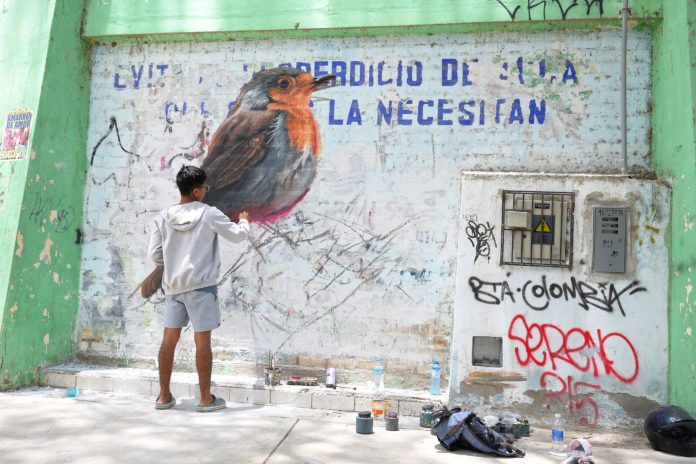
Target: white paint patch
x,y
45,312
688,331
46,341
45,254
689,289
20,244
56,277
13,309
54,215
687,225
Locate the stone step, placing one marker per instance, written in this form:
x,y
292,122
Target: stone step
x,y
237,389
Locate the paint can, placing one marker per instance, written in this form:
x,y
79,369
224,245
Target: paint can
x,y
364,423
391,421
524,428
426,416
271,375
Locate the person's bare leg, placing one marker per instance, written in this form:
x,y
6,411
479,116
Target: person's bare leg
x,y
204,364
166,362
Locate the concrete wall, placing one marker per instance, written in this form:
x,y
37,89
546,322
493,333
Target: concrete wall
x,y
588,344
365,266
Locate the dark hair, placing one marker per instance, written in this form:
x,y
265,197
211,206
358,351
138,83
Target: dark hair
x,y
188,178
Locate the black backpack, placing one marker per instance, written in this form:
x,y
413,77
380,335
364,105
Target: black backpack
x,y
456,429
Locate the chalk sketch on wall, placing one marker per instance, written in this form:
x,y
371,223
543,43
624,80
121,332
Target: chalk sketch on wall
x,y
263,157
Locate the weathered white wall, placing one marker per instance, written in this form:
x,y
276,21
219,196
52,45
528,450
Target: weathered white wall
x,y
574,352
366,265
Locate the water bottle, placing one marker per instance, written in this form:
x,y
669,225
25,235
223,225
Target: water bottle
x,y
379,374
557,435
71,392
435,378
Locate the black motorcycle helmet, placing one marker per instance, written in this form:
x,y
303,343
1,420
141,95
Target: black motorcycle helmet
x,y
671,429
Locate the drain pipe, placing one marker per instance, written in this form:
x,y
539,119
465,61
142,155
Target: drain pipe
x,y
624,39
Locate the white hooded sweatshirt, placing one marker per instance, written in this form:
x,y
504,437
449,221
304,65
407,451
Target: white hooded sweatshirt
x,y
185,240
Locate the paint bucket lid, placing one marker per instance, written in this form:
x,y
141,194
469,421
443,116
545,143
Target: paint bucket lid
x,y
392,414
364,414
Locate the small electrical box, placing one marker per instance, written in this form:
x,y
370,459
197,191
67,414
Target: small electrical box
x,y
610,239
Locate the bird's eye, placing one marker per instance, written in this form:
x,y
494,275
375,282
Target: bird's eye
x,y
283,83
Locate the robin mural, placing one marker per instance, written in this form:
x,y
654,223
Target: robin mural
x,y
263,157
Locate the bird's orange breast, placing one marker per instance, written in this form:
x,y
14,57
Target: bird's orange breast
x,y
303,130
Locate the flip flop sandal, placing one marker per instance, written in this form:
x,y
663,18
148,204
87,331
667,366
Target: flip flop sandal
x,y
217,404
167,405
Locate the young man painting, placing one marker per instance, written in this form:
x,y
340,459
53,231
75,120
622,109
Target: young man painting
x,y
185,241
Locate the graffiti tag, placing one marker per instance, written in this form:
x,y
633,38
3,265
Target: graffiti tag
x,y
567,394
593,352
538,295
536,6
479,236
588,352
59,215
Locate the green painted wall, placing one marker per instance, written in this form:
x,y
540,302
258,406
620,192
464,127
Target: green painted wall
x,y
674,156
41,297
165,20
24,47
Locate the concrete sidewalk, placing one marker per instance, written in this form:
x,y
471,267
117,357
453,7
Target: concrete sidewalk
x,y
40,425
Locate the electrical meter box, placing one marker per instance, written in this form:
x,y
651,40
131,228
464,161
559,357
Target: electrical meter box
x,y
537,228
610,239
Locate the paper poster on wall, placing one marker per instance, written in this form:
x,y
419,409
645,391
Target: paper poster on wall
x,y
16,136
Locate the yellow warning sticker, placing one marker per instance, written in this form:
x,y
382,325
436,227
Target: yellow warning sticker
x,y
543,226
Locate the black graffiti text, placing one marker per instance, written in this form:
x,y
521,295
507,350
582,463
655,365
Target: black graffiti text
x,y
59,215
539,7
537,295
479,236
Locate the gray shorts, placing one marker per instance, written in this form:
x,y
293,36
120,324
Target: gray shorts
x,y
199,306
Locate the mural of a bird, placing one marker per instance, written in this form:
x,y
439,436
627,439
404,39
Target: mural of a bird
x,y
263,157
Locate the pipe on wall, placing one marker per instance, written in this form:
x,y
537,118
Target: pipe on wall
x,y
624,40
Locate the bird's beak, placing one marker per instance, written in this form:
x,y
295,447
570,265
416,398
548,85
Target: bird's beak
x,y
323,82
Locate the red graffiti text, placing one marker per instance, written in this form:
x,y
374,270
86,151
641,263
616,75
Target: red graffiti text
x,y
547,345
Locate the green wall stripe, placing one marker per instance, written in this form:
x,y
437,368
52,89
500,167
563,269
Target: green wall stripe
x,y
206,19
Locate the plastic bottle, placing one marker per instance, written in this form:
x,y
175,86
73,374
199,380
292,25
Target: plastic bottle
x,y
435,378
71,392
379,374
557,435
331,378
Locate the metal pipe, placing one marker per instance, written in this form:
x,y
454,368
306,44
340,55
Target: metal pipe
x,y
624,40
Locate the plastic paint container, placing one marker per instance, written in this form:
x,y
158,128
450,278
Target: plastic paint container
x,y
391,422
364,422
379,406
